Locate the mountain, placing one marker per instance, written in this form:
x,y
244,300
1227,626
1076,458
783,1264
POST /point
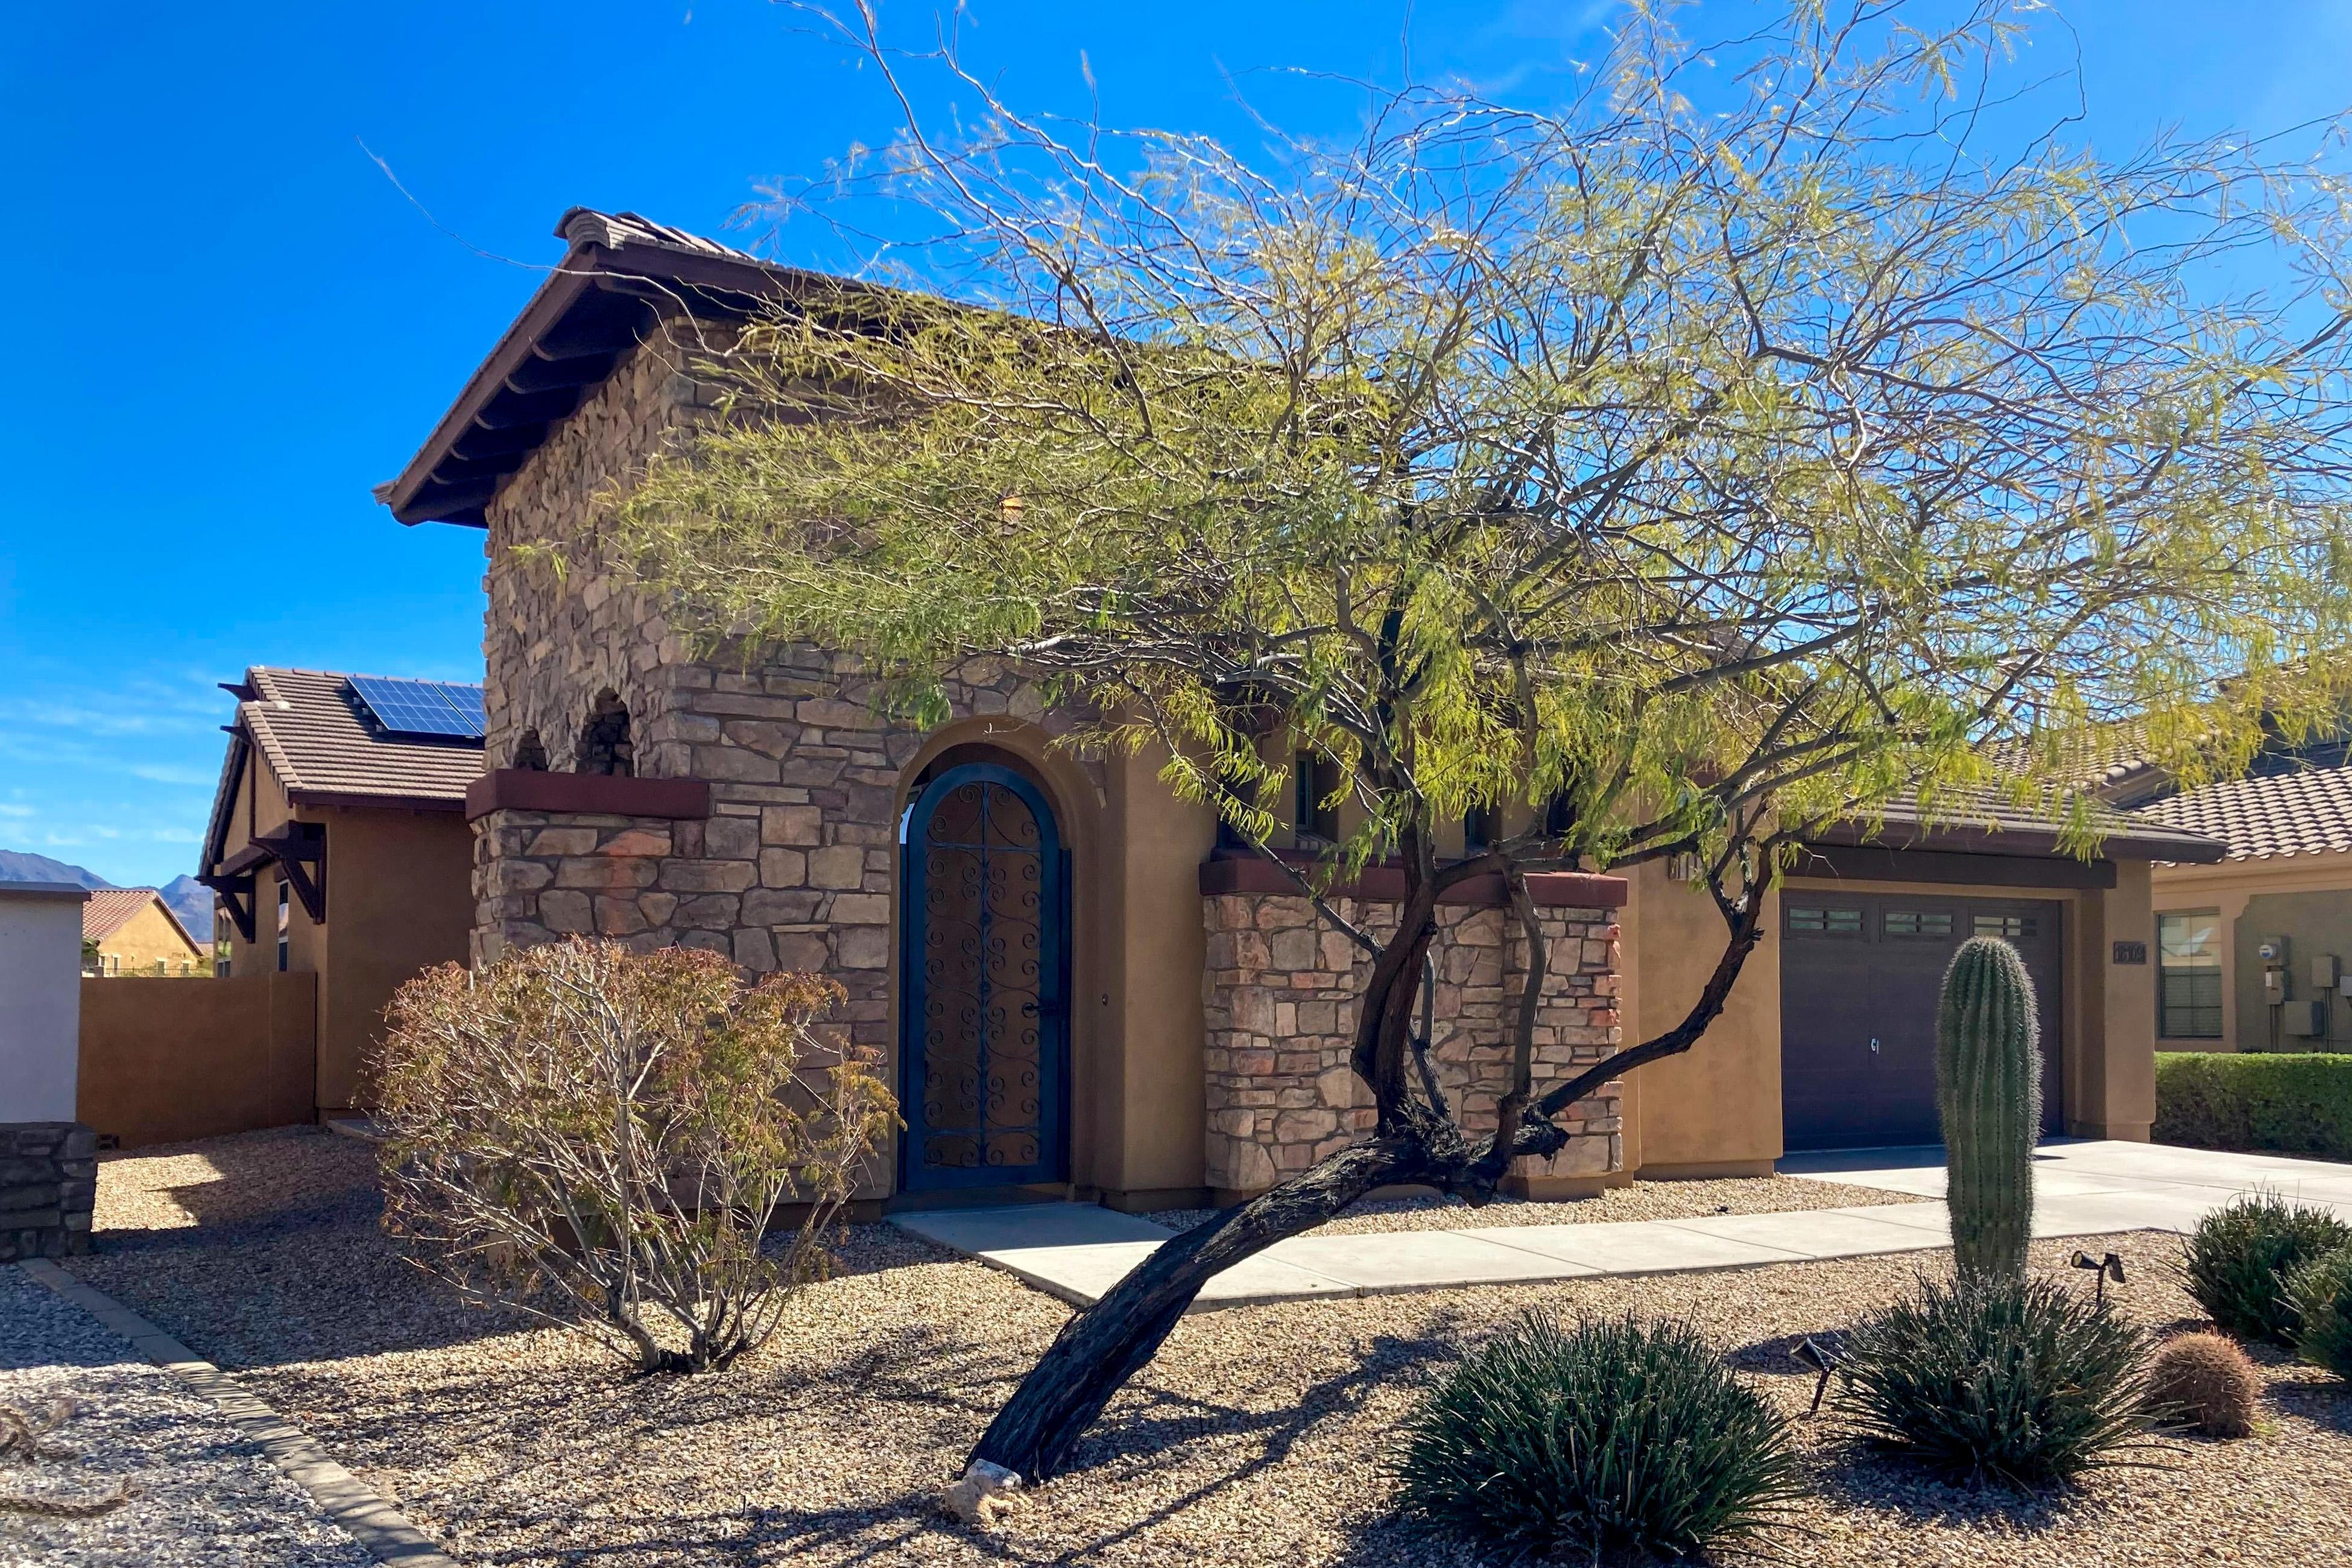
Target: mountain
x,y
17,866
192,903
186,897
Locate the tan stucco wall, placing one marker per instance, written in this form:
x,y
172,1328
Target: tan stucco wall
x,y
148,938
399,899
167,1061
2225,888
1715,1108
1153,1030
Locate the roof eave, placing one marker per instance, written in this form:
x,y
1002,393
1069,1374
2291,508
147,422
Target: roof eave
x,y
532,360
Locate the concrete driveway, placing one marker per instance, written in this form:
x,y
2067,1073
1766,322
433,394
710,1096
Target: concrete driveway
x,y
2081,1188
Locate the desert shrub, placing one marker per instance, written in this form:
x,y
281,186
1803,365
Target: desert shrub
x,y
2237,1261
2319,1294
2296,1102
605,1138
1605,1436
2206,1383
2016,1381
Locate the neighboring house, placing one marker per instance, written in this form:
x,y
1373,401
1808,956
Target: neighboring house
x,y
337,843
2251,949
132,930
1076,986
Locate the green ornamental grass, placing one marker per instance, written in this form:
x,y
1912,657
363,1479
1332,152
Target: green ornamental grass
x,y
2236,1263
1598,1436
2320,1296
2021,1382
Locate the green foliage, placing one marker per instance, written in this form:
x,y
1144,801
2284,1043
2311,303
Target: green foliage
x,y
2011,1380
1662,468
2237,1261
605,1138
2319,1295
1606,1436
2296,1104
1989,1097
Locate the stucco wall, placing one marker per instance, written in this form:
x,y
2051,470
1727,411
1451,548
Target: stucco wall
x,y
1716,1109
399,900
40,1000
148,938
2323,921
167,1061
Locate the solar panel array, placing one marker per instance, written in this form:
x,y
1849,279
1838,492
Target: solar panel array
x,y
434,709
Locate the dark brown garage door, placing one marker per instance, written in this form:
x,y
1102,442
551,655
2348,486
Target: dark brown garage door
x,y
1859,977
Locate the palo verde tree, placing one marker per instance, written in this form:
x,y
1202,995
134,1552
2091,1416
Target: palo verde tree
x,y
1756,440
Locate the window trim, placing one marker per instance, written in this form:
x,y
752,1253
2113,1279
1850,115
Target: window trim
x,y
2220,1006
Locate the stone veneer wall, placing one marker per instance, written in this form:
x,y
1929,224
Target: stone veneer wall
x,y
794,867
1281,991
48,1186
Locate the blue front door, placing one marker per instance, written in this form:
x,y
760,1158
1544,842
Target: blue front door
x,y
984,1014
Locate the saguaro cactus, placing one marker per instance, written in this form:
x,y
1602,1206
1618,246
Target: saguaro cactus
x,y
1988,1095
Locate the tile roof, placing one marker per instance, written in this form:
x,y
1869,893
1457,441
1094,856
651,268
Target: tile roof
x,y
319,745
2298,807
108,909
1982,823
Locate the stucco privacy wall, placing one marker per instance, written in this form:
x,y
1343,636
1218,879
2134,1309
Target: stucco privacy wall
x,y
164,1061
49,1172
1280,997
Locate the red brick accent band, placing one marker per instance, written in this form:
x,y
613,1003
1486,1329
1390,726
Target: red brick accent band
x,y
593,794
1550,890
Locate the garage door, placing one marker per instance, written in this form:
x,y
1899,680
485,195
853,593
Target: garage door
x,y
1859,978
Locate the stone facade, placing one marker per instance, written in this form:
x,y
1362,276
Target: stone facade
x,y
795,865
49,1185
1281,993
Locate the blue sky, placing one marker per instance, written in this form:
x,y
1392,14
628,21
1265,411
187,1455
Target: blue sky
x,y
227,323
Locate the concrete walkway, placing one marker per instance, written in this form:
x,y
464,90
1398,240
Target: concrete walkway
x,y
2081,1188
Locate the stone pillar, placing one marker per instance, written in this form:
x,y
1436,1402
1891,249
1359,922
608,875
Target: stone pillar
x,y
48,1186
1281,993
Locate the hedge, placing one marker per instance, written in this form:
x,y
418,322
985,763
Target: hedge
x,y
2289,1103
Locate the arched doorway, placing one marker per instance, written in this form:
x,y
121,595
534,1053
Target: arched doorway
x,y
985,1031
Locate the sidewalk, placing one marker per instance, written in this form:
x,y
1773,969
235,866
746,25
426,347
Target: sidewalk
x,y
2081,1188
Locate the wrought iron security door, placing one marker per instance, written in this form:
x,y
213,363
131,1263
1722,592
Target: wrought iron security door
x,y
985,1029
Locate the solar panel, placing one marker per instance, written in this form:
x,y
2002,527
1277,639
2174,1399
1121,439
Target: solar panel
x,y
440,710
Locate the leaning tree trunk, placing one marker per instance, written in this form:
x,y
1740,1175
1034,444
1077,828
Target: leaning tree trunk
x,y
1106,1343
1098,1350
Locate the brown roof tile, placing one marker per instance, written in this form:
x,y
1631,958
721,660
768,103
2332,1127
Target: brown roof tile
x,y
318,744
2273,813
108,909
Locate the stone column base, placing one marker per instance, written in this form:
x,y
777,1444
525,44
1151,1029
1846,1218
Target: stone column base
x,y
48,1186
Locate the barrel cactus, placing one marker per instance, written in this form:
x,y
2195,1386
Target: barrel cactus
x,y
1988,1095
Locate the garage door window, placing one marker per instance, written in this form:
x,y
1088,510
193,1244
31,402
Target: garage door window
x,y
2188,975
1918,923
2010,928
1814,920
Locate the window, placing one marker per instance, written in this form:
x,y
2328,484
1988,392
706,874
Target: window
x,y
2010,928
285,927
1807,919
2189,975
1314,781
1919,922
1478,830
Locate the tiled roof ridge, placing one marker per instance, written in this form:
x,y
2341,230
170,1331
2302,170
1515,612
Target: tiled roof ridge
x,y
590,226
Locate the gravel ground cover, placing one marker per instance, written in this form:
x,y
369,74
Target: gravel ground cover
x,y
201,1492
1256,1438
1642,1200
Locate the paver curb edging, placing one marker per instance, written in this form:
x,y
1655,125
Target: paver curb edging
x,y
381,1530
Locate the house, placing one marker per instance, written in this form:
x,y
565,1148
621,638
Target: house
x,y
2251,949
132,930
338,845
1147,1020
